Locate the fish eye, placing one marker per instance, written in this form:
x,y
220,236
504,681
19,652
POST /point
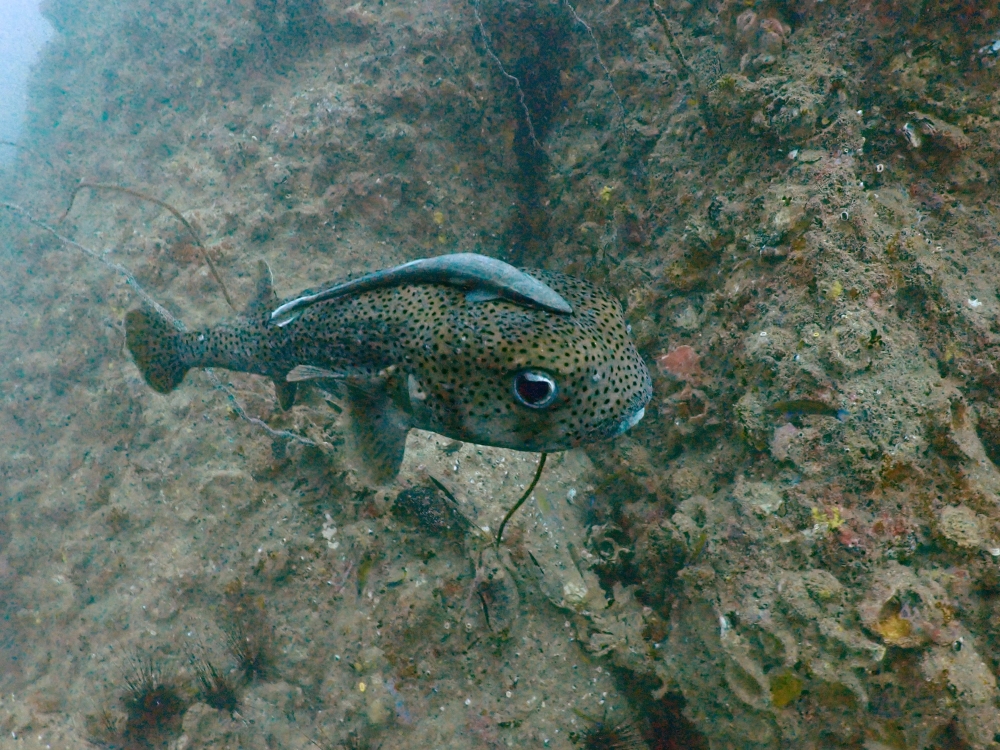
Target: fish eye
x,y
534,389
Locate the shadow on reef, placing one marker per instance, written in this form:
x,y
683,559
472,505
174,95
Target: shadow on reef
x,y
533,43
663,725
290,29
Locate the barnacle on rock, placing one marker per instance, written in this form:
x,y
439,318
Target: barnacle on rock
x,y
961,526
894,629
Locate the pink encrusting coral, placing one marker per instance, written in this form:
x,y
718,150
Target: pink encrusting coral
x,y
681,363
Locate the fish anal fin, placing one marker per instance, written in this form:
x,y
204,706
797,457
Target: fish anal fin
x,y
310,372
379,428
285,392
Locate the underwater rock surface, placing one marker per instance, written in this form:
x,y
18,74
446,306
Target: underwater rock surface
x,y
798,545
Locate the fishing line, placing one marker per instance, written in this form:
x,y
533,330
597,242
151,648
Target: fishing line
x,y
519,503
162,204
175,322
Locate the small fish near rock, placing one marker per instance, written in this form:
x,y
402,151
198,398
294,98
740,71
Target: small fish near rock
x,y
462,345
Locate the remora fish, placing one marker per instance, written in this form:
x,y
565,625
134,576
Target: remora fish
x,y
488,355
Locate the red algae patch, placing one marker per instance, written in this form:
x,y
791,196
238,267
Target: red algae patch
x,y
682,363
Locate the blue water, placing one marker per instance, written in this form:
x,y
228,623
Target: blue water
x,y
23,32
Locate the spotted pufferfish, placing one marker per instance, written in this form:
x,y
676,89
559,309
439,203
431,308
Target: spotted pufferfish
x,y
462,345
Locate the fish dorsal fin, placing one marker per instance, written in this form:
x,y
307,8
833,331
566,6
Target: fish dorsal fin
x,y
463,270
255,314
264,297
378,426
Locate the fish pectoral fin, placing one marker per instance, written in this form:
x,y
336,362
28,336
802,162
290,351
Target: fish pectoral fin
x,y
309,372
379,428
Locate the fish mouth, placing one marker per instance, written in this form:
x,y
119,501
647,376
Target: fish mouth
x,y
626,424
633,416
637,409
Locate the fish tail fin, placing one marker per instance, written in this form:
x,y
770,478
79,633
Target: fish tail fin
x,y
156,348
163,354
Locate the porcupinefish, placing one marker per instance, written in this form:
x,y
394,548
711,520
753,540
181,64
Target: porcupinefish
x,y
522,359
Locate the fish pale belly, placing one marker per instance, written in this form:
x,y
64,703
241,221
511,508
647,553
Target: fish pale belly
x,y
383,409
